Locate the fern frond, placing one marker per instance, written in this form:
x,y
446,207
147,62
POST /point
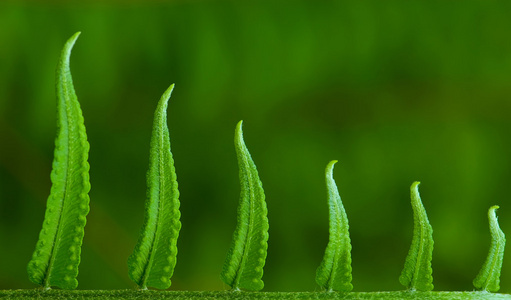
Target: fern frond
x,y
57,254
243,268
417,273
334,273
154,258
488,278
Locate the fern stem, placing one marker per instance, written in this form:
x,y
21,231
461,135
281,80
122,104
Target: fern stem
x,y
182,295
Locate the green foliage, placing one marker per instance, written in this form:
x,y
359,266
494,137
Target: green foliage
x,y
57,254
417,273
154,258
488,278
334,273
375,84
243,267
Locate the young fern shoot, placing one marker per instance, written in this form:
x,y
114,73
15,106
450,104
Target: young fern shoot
x,y
57,253
417,272
488,278
243,267
152,262
334,273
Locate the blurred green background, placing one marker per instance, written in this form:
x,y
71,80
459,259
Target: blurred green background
x,y
397,91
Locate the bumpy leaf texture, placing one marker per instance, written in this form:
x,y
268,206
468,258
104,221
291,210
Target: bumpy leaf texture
x,y
57,254
154,258
417,273
334,273
243,268
488,278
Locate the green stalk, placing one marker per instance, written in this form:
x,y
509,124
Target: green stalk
x,y
183,295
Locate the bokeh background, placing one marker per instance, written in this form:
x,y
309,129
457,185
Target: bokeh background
x,y
397,91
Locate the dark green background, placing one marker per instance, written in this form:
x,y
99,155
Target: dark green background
x,y
397,91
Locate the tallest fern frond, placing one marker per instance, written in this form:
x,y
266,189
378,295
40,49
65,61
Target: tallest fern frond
x,y
57,254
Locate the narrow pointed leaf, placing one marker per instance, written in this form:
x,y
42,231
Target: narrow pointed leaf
x,y
488,278
243,268
57,254
334,273
154,258
417,273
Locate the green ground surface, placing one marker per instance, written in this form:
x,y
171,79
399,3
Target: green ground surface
x,y
132,294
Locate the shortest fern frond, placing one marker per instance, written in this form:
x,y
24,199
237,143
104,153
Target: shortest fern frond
x,y
417,273
334,273
488,278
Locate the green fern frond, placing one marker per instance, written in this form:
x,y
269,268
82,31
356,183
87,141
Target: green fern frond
x,y
488,278
243,268
57,254
334,273
417,273
154,258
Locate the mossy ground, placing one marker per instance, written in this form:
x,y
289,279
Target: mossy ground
x,y
134,294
